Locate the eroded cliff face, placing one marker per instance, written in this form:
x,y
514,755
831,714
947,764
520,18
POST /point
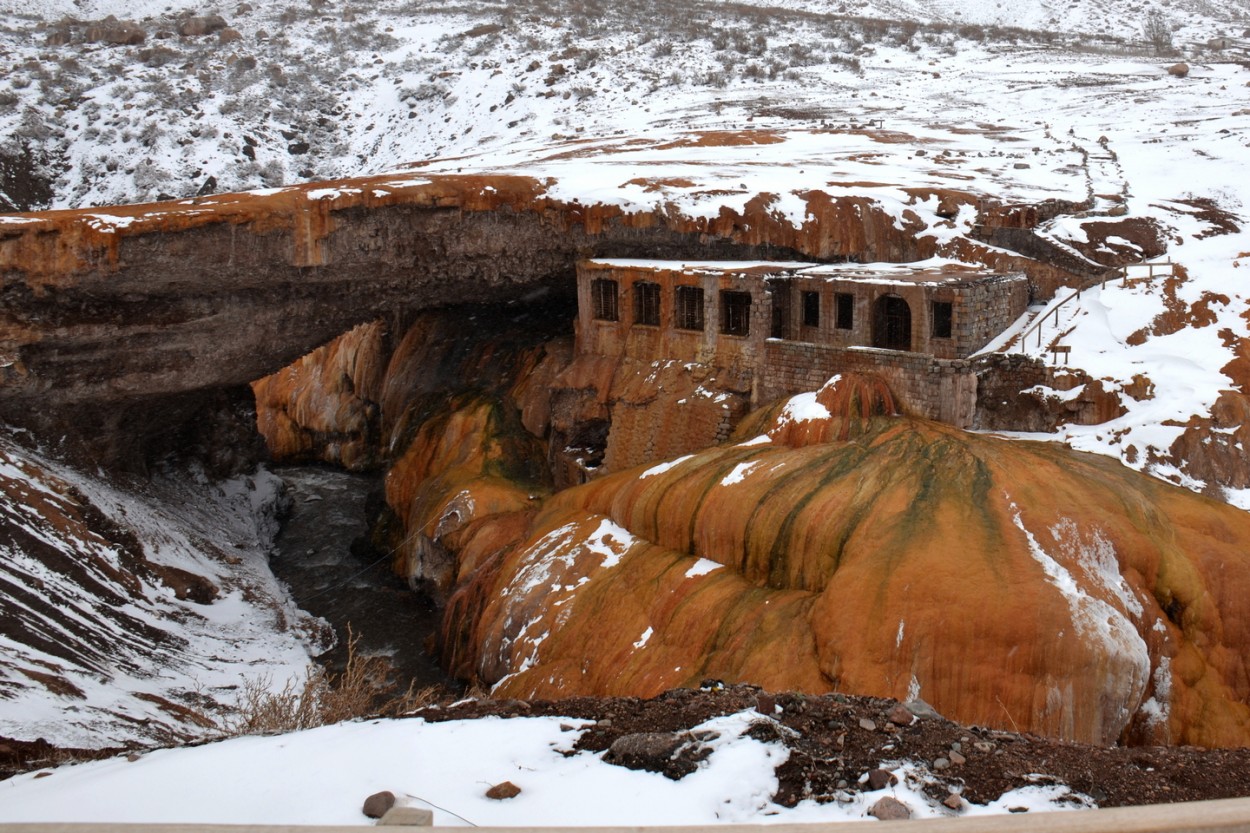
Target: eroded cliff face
x,y
831,545
455,409
326,406
612,413
1006,583
223,290
133,307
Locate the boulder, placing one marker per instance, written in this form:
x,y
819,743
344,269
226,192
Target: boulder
x,y
890,809
115,32
900,715
504,790
644,750
922,709
672,755
377,805
879,779
194,27
1179,70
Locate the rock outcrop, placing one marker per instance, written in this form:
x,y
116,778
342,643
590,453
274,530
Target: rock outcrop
x,y
120,309
1006,583
456,416
325,406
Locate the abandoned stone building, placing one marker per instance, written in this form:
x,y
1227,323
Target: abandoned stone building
x,y
790,326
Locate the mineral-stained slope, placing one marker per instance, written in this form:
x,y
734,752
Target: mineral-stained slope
x,y
324,406
1007,583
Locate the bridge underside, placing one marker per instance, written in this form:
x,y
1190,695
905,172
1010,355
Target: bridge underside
x,y
125,353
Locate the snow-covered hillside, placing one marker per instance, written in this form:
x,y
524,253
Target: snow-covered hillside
x,y
290,93
131,615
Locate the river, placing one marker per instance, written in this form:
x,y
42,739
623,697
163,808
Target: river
x,y
323,555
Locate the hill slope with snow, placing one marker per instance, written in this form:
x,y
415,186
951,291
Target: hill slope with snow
x,y
130,616
286,94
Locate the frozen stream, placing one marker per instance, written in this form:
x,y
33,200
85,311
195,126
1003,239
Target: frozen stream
x,y
315,558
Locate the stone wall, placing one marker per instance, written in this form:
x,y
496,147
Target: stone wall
x,y
627,338
981,309
1028,243
938,389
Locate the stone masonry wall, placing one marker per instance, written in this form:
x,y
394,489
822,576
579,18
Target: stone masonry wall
x,y
938,389
981,309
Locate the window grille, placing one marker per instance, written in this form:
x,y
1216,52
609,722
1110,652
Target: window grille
x,y
689,311
603,299
735,313
647,303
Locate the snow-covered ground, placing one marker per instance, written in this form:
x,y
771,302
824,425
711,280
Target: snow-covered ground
x,y
1184,368
599,105
336,89
97,648
447,767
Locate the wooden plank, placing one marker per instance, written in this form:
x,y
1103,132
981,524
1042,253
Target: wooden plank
x,y
1223,816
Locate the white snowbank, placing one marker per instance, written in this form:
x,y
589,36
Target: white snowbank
x,y
322,776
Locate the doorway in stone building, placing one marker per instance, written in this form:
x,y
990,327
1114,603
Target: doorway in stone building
x,y
891,327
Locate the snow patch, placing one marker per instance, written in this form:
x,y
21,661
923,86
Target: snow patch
x,y
663,467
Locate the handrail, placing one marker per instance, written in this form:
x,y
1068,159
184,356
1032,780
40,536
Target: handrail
x,y
1122,272
1231,814
1124,276
1037,325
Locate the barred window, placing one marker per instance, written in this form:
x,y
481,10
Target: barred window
x,y
689,308
603,299
735,313
647,303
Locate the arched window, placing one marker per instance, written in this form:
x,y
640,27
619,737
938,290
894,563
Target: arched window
x,y
891,326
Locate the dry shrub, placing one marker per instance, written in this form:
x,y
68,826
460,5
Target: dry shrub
x,y
364,689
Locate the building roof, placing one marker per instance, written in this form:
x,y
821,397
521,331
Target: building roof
x,y
755,267
926,273
909,274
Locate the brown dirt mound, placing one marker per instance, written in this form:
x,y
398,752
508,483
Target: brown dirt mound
x,y
831,748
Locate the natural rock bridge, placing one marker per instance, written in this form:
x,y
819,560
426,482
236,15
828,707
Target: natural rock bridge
x,y
118,322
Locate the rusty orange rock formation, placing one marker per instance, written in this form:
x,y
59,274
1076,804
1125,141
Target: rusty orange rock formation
x,y
324,406
1009,584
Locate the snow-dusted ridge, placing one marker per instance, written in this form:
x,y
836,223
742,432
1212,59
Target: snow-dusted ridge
x,y
330,90
132,613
